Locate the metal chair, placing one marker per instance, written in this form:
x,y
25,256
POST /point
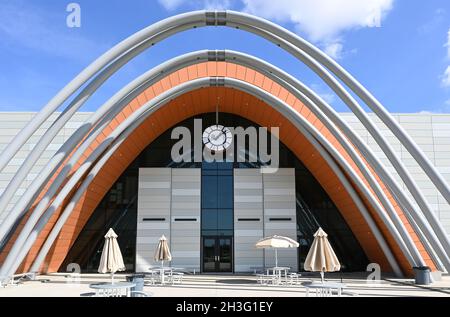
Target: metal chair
x,y
265,279
293,278
152,277
175,278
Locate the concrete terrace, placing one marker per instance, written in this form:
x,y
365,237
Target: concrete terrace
x,y
227,286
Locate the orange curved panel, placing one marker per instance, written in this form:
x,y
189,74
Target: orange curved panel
x,y
236,102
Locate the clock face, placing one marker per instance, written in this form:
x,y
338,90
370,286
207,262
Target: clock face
x,y
217,138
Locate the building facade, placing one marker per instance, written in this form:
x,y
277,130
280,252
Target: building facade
x,y
213,214
377,183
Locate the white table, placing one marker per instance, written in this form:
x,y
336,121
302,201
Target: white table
x,y
162,271
277,271
113,289
324,289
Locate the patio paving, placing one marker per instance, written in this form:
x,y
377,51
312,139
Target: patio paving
x,y
58,285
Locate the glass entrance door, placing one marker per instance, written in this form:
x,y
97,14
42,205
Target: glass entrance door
x,y
217,255
209,255
225,252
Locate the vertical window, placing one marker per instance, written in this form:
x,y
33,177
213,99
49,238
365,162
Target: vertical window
x,y
217,199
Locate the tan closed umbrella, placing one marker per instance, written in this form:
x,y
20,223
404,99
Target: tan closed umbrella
x,y
276,242
321,257
162,252
111,260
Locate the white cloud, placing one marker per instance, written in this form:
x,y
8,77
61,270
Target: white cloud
x,y
204,4
448,44
334,50
323,21
171,4
446,78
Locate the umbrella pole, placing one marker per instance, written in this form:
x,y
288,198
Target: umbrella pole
x,y
162,272
276,257
112,278
322,276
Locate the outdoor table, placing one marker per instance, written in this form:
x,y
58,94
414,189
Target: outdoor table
x,y
162,271
277,271
179,269
112,289
324,289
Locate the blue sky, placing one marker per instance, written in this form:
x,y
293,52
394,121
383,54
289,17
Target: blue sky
x,y
399,49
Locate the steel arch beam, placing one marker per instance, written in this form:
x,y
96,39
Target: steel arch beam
x,y
315,143
66,213
369,125
176,63
242,18
231,18
90,71
56,127
302,98
239,20
304,94
326,113
199,56
283,108
117,135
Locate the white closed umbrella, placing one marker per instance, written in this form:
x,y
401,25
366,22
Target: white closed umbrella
x,y
111,260
162,252
321,257
276,242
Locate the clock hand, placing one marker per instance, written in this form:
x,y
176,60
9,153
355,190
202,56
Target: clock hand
x,y
216,137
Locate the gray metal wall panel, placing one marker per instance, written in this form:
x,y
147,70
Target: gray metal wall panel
x,y
248,203
186,203
153,202
280,202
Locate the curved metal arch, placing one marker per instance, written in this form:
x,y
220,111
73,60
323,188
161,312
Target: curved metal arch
x,y
369,125
66,213
195,57
234,18
110,56
225,18
376,106
301,97
326,114
62,119
84,168
299,123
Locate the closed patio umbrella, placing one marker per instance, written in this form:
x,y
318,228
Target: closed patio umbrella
x,y
162,252
276,242
321,257
111,260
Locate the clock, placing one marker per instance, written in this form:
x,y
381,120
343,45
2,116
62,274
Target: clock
x,y
217,138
